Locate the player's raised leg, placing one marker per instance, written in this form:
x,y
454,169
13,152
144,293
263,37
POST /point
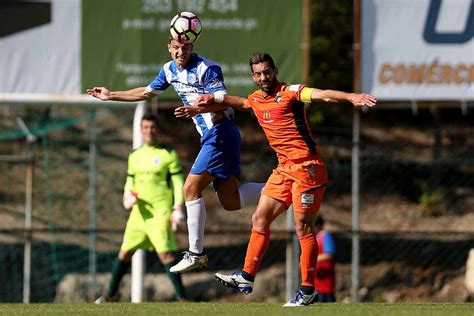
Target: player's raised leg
x,y
234,197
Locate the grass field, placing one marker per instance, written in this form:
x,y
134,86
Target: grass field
x,y
245,309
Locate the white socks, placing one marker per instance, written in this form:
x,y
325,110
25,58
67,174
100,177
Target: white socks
x,y
250,193
196,211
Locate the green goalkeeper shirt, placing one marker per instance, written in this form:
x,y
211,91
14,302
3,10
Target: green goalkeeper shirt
x,y
155,174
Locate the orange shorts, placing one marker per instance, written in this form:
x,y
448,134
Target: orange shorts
x,y
301,184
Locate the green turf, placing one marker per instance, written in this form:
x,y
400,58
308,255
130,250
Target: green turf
x,y
241,309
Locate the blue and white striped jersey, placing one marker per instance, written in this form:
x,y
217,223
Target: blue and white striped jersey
x,y
200,76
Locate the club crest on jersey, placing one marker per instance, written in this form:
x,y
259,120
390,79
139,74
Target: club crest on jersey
x,y
267,116
192,78
156,161
278,98
307,198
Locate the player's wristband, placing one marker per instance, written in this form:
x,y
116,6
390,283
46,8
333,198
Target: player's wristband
x,y
218,97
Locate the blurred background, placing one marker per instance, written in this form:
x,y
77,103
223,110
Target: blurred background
x,y
400,198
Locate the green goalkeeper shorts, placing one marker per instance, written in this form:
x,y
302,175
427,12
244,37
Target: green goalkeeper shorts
x,y
151,231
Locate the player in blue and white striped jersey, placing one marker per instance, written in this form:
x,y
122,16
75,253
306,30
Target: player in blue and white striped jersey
x,y
219,158
197,77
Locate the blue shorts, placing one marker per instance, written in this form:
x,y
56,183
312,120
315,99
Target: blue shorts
x,y
220,151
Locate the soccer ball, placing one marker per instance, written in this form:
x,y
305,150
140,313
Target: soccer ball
x,y
185,27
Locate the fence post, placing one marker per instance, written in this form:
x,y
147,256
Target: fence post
x,y
30,159
355,276
356,81
28,225
138,259
93,205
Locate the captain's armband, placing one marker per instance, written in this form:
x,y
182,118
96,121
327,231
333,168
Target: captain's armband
x,y
305,94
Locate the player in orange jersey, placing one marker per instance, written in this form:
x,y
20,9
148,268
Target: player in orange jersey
x,y
300,178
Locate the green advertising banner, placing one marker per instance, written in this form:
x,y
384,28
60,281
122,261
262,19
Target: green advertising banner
x,y
124,42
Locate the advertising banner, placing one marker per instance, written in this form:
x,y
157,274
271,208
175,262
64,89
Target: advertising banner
x,y
418,50
122,44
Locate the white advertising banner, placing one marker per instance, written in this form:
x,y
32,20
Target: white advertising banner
x,y
418,49
42,53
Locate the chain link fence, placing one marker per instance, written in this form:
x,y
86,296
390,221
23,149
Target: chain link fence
x,y
417,190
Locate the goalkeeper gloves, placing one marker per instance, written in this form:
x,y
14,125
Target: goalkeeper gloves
x,y
129,199
177,216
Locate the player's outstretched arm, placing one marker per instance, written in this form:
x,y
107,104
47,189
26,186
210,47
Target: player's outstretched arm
x,y
357,99
136,94
206,103
225,100
190,111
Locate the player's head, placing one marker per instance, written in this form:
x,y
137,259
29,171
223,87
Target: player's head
x,y
181,53
149,128
264,71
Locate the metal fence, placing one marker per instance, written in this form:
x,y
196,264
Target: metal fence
x,y
416,191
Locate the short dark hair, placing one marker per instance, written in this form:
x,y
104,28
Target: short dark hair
x,y
150,117
258,58
319,221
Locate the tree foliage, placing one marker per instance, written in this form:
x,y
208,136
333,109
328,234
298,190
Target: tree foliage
x,y
331,44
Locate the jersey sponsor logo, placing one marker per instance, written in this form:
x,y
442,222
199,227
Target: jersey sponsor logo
x,y
184,89
147,173
267,116
307,198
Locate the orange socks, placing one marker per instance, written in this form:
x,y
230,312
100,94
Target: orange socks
x,y
258,244
308,258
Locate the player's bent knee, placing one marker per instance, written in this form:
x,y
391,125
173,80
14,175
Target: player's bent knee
x,y
191,193
260,222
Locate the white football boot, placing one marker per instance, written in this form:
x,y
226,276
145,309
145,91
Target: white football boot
x,y
300,299
236,281
189,262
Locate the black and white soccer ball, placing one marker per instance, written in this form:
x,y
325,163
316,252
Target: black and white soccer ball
x,y
185,27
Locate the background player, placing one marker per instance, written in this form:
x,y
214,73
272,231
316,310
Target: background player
x,y
325,278
300,178
149,196
219,158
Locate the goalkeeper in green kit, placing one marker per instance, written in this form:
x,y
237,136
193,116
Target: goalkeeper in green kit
x,y
154,195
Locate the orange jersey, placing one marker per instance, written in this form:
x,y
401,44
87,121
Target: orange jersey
x,y
283,119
